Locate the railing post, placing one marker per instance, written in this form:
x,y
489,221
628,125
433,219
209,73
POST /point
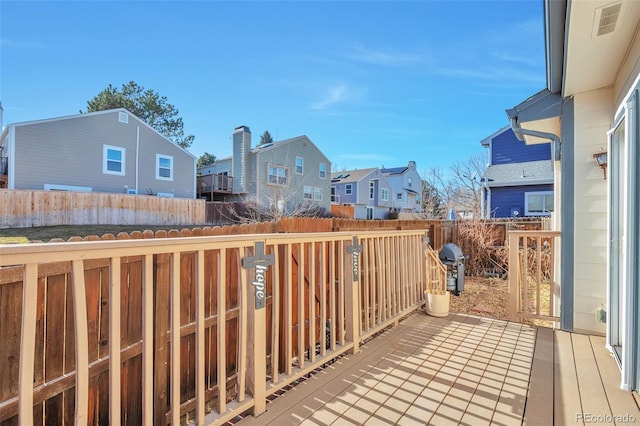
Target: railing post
x,y
257,319
514,273
352,301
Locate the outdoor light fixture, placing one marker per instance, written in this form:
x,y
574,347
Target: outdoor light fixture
x,y
601,160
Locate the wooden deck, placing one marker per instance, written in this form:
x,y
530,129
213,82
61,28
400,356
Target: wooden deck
x,y
462,370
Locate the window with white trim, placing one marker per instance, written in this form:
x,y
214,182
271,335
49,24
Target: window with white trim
x,y
164,167
399,196
113,160
348,189
538,203
307,193
409,182
323,171
385,194
372,189
299,165
317,194
277,175
334,198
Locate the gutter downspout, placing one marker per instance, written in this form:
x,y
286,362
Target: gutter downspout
x,y
544,135
567,192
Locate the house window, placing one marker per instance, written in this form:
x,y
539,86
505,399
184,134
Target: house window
x,y
323,171
317,194
277,175
299,165
538,203
334,198
369,213
399,196
385,194
113,160
347,189
308,193
164,167
409,182
372,190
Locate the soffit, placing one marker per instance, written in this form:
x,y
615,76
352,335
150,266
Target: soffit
x,y
593,61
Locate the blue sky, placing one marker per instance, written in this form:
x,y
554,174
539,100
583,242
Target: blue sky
x,y
371,83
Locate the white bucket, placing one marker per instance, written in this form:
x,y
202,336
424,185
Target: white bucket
x,y
437,305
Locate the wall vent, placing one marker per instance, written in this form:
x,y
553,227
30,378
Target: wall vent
x,y
606,19
123,117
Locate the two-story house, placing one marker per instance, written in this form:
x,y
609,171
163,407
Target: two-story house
x,y
406,185
105,151
289,174
518,180
366,190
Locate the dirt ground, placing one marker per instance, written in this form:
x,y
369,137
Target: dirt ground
x,y
483,297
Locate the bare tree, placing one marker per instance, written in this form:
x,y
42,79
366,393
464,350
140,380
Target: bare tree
x,y
434,196
465,187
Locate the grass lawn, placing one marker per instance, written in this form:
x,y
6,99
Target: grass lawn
x,y
46,233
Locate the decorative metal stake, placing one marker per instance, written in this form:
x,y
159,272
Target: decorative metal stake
x,y
355,249
260,261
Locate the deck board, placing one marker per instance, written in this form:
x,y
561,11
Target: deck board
x,y
537,410
621,403
459,370
566,392
592,395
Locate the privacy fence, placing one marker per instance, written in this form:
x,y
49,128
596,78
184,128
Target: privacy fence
x,y
23,209
170,330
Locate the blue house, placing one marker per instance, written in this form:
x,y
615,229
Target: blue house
x,y
518,180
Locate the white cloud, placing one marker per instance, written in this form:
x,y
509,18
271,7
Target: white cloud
x,y
20,44
334,95
380,57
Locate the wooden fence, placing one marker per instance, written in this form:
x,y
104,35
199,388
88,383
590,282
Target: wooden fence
x,y
171,330
22,209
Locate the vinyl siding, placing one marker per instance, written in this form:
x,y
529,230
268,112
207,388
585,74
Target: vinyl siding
x,y
344,197
592,121
69,151
503,199
506,149
285,156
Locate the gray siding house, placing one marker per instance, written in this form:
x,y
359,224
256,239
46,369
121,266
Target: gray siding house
x,y
288,173
106,151
407,187
367,190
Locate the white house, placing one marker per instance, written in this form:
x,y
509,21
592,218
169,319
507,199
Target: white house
x,y
590,112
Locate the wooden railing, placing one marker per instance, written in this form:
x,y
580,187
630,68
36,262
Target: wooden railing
x,y
534,289
195,328
215,183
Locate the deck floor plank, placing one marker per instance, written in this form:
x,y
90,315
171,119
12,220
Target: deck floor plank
x,y
458,370
592,396
622,404
566,394
539,408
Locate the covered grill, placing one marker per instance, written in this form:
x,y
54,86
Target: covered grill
x,y
451,256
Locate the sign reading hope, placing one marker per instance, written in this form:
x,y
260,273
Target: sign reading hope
x,y
260,261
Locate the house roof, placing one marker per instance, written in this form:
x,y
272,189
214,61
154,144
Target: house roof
x,y
89,114
350,176
394,170
487,141
270,146
519,174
